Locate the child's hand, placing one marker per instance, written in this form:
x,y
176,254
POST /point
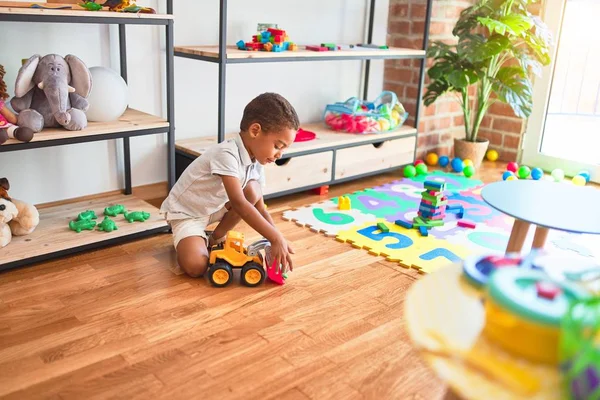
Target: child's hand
x,y
280,254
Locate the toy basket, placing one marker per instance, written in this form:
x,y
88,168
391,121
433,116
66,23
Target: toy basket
x,y
383,114
580,350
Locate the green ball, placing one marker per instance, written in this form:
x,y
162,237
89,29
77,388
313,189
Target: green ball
x,y
421,169
469,170
410,171
523,172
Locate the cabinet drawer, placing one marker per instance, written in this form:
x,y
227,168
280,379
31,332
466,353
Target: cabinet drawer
x,y
295,172
373,157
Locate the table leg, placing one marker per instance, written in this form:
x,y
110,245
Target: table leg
x,y
517,236
539,240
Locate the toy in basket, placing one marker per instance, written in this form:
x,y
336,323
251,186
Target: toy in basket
x,y
383,114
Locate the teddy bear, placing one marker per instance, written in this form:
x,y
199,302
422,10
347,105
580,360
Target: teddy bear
x,y
16,217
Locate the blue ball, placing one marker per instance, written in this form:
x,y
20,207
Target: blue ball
x,y
457,165
537,174
506,174
444,161
585,174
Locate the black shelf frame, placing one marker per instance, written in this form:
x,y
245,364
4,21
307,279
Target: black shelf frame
x,y
122,22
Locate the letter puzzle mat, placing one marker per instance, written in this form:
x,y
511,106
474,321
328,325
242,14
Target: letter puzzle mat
x,y
400,200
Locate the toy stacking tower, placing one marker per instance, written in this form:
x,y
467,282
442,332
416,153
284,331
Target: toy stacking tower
x,y
432,209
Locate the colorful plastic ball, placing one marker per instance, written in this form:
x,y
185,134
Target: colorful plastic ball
x,y
558,174
523,172
469,171
421,169
512,178
492,155
444,161
585,174
506,174
457,165
537,173
578,180
418,162
512,167
431,159
410,171
467,162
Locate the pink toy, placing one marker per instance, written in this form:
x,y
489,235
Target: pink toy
x,y
466,224
512,167
274,274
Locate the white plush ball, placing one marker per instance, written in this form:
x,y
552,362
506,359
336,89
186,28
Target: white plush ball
x,y
109,96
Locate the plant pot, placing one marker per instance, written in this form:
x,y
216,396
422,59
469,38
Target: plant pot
x,y
474,151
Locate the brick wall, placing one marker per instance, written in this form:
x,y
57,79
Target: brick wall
x,y
441,122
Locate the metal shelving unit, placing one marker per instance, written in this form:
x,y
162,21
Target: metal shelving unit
x,y
52,238
223,55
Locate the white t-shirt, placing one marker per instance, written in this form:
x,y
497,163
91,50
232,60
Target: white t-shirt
x,y
199,191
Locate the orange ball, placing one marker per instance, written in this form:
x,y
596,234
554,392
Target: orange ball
x,y
431,159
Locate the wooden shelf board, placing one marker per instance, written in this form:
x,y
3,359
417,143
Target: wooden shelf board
x,y
53,234
78,12
131,120
326,138
234,53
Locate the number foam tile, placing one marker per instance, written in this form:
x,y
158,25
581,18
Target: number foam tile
x,y
377,203
325,217
482,239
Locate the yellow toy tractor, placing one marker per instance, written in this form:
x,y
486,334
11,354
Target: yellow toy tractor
x,y
233,254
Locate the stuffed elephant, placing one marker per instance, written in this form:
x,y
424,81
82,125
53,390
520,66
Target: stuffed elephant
x,y
51,91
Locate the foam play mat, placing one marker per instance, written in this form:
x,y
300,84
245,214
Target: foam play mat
x,y
400,200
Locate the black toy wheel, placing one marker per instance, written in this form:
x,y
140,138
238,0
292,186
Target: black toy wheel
x,y
253,274
220,274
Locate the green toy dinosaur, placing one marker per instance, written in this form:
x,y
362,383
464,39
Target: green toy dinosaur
x,y
136,216
86,224
114,210
107,225
86,215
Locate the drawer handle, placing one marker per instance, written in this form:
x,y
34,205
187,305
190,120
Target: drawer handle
x,y
282,161
378,144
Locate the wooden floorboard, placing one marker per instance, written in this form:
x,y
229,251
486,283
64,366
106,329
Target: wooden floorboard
x,y
125,322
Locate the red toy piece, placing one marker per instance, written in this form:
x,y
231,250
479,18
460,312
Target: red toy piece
x,y
547,290
418,162
304,136
466,224
317,48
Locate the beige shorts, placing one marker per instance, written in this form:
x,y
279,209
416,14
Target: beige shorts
x,y
183,228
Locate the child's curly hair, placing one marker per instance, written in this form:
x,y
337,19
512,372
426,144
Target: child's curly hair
x,y
3,93
272,111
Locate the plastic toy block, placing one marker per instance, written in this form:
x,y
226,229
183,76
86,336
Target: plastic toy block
x,y
404,224
438,217
274,31
455,208
383,227
316,48
293,47
423,231
547,290
466,224
255,38
278,39
321,190
435,184
344,203
277,48
241,45
327,44
373,46
268,46
266,34
439,222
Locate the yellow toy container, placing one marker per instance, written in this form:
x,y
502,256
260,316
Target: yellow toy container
x,y
524,309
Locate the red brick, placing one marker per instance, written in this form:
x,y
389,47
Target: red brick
x,y
495,138
459,120
422,125
439,28
507,155
455,107
453,12
431,110
411,92
486,122
407,43
498,108
418,11
508,125
511,142
397,88
402,27
418,27
398,10
441,123
399,74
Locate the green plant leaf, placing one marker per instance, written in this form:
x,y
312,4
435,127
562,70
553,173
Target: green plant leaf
x,y
512,87
538,47
478,48
527,61
518,23
468,17
458,79
435,90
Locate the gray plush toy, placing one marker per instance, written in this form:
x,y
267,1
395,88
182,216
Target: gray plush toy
x,y
51,91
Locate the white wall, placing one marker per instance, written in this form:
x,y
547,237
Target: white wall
x,y
56,173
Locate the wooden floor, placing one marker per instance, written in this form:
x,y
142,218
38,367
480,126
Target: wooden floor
x,y
124,322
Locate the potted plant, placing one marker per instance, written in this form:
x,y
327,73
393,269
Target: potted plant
x,y
499,43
